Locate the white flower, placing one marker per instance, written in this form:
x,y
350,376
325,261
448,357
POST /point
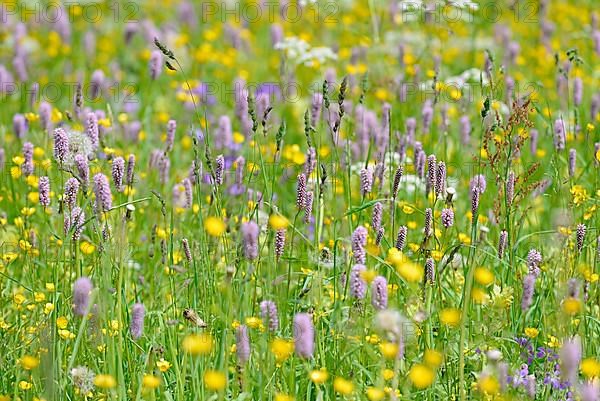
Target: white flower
x,y
299,52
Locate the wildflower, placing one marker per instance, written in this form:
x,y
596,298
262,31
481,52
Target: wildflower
x,y
83,379
390,350
311,161
250,239
319,376
137,320
242,344
76,222
450,317
27,166
376,218
301,192
366,180
421,376
379,293
433,358
430,271
447,217
308,205
572,162
559,135
528,290
278,222
81,295
214,226
155,64
105,381
304,335
431,173
171,127
571,306
44,190
102,192
359,241
81,163
163,365
92,130
478,183
219,169
282,349
531,332
268,312
61,145
502,243
71,190
375,394
358,287
343,386
130,169
401,238
474,204
197,344
150,382
440,179
488,384
118,170
215,380
483,276
29,362
570,357
590,368
410,271
279,242
397,178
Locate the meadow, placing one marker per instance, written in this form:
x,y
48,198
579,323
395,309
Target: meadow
x,y
299,200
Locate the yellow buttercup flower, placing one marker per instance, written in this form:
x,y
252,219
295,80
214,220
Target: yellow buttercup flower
x,y
433,358
215,380
105,381
531,332
375,394
282,349
488,385
197,344
571,306
421,376
163,365
278,222
29,362
450,317
150,382
343,386
590,367
319,376
214,226
483,276
389,350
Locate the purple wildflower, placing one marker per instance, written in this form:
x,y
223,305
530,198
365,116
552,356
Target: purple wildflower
x,y
572,162
379,293
268,312
428,225
61,145
136,327
118,170
186,250
44,191
76,222
376,217
358,286
155,64
397,178
130,169
81,295
187,185
171,127
359,241
308,205
304,335
92,130
559,135
447,217
570,357
401,238
242,341
27,167
528,290
301,192
478,182
366,180
311,161
431,173
71,190
102,192
279,242
430,271
19,125
440,178
250,239
81,163
577,91
219,169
